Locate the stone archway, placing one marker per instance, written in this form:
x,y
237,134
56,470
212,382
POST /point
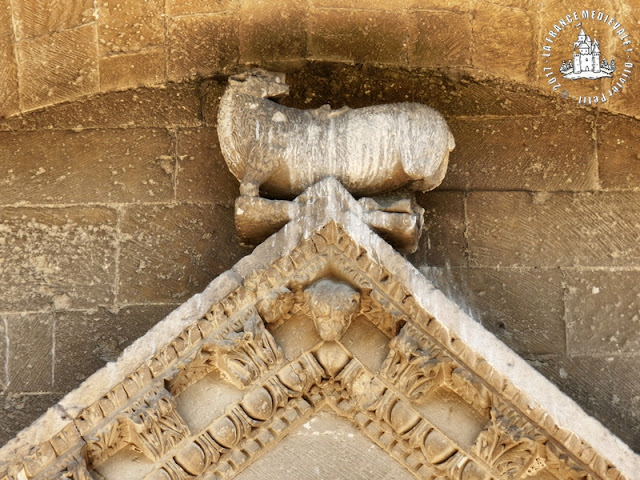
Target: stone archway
x,y
112,46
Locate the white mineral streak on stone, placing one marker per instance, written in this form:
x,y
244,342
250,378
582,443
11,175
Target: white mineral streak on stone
x,y
342,208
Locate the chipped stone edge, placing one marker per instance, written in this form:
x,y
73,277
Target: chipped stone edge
x,y
93,388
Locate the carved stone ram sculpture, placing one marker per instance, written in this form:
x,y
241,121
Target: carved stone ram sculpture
x,y
284,150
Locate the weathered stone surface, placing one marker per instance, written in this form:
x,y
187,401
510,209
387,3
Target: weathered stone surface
x,y
629,101
203,175
6,22
39,17
169,105
63,257
201,45
319,83
137,27
603,312
553,229
494,49
336,84
70,69
326,446
337,34
31,350
3,352
130,26
355,85
9,102
619,151
285,150
132,70
211,91
87,339
192,7
19,410
272,30
439,39
442,241
528,153
172,252
451,5
359,4
419,361
134,165
523,307
605,386
520,4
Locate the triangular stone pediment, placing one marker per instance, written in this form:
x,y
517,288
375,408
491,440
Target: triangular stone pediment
x,y
324,316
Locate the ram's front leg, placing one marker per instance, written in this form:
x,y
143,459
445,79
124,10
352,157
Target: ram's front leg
x,y
262,162
249,188
255,173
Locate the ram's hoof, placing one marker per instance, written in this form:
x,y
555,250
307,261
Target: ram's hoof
x,y
249,190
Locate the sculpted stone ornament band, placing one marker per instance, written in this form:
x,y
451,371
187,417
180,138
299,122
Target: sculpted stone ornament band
x,y
373,150
323,319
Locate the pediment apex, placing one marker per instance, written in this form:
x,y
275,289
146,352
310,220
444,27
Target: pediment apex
x,y
435,353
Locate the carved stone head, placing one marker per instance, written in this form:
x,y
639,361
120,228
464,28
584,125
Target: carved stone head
x,y
332,305
260,83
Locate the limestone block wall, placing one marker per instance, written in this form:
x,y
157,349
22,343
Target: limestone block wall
x,y
116,206
52,52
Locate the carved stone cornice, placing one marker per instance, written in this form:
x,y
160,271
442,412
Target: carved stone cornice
x,y
282,342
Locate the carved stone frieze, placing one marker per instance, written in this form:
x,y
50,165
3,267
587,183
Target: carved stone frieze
x,y
75,469
327,322
513,452
155,428
244,356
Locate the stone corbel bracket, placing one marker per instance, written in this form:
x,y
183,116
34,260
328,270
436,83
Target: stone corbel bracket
x,y
396,218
